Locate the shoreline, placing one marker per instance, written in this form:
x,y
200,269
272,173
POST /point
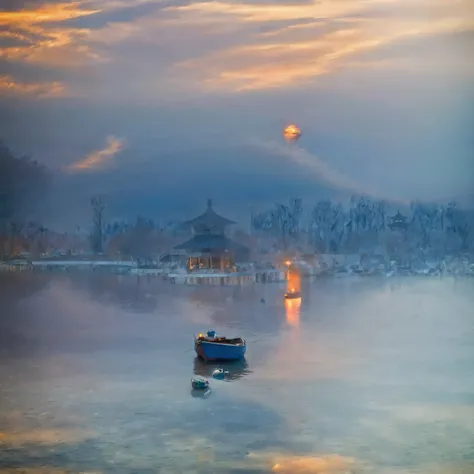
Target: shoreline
x,y
327,266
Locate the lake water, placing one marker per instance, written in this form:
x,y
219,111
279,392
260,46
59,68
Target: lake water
x,y
365,376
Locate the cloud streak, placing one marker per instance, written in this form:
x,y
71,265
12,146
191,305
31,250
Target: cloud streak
x,y
223,46
42,38
9,87
299,53
324,173
100,158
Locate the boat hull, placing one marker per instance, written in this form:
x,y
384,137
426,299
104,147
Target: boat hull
x,y
292,296
216,351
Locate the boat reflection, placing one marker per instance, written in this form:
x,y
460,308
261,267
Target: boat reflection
x,y
236,369
292,308
200,393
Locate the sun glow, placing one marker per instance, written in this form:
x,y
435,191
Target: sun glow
x,y
292,132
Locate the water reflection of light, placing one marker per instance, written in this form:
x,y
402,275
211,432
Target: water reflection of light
x,y
313,464
292,307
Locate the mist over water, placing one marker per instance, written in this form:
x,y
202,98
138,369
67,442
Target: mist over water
x,y
366,375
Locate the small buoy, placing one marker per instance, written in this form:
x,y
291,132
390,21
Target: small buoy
x,y
262,301
219,373
199,383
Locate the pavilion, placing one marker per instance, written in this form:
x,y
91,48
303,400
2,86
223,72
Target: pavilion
x,y
398,222
209,248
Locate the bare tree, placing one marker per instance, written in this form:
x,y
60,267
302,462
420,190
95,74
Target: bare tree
x,y
296,211
98,219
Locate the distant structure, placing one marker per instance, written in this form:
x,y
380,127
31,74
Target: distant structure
x,y
209,248
398,222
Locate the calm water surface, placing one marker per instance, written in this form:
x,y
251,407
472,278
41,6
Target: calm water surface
x,y
365,376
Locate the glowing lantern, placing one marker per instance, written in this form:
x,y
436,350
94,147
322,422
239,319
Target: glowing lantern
x,y
292,133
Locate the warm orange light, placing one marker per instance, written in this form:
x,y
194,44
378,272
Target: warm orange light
x,y
99,157
288,263
311,464
292,132
294,281
292,307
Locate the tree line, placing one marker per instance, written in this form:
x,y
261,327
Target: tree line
x,y
325,227
365,224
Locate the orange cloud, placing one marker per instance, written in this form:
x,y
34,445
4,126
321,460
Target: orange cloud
x,y
99,158
263,13
293,464
49,12
41,90
263,64
233,46
46,41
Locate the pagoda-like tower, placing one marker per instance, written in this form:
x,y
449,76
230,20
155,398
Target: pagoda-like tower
x,y
209,248
398,222
209,222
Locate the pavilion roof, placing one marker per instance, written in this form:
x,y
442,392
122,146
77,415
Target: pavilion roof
x,y
398,216
209,242
209,219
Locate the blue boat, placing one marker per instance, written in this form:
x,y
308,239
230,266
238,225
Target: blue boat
x,y
212,347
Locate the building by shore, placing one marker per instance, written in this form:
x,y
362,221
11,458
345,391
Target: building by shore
x,y
210,248
211,257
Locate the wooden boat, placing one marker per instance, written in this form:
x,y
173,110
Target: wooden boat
x,y
212,347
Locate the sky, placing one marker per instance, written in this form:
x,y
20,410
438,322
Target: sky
x,y
157,105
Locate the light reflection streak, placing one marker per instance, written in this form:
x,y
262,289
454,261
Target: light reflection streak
x,y
292,307
294,464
